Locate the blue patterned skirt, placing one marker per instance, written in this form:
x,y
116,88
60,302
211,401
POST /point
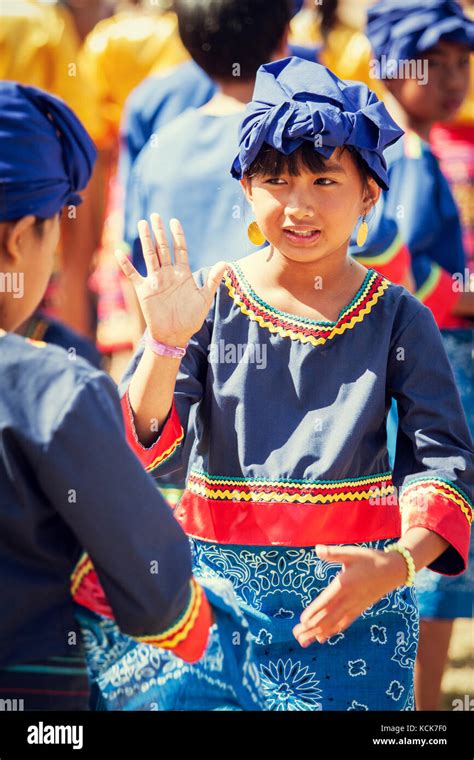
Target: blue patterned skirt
x,y
127,675
369,666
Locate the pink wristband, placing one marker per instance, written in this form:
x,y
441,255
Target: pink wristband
x,y
162,349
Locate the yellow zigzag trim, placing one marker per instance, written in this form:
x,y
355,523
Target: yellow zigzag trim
x,y
195,474
165,454
163,640
433,485
297,320
279,497
77,576
294,335
430,489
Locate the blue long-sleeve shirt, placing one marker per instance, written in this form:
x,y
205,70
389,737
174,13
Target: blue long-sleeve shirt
x,y
68,483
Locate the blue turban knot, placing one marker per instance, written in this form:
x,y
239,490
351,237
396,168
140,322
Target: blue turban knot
x,y
46,155
403,30
296,100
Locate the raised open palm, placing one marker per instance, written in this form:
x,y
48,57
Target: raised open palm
x,y
173,306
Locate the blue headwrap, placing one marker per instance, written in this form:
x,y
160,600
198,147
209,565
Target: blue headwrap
x,y
296,100
46,155
297,6
405,30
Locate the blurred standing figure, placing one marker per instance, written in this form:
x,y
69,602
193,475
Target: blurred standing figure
x,y
421,51
119,52
40,46
202,141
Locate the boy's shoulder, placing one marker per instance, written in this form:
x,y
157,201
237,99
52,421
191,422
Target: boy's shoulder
x,y
182,126
154,88
180,136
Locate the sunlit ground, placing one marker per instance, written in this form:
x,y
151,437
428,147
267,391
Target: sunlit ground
x,y
459,676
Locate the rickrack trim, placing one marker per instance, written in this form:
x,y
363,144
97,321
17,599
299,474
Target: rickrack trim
x,y
83,568
172,636
163,455
177,633
289,490
419,487
302,328
166,454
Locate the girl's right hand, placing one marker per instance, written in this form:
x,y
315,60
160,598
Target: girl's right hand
x,y
173,306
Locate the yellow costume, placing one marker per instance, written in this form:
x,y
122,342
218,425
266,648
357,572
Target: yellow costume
x,y
39,46
124,49
345,50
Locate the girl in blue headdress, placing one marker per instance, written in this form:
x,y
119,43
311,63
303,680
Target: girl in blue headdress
x,y
292,365
422,51
68,480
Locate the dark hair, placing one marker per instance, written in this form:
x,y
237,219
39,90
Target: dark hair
x,y
271,162
38,226
329,16
221,34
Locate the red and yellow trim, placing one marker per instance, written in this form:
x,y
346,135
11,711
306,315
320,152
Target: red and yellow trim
x,y
171,437
87,590
83,567
300,328
440,506
288,512
187,637
419,489
288,490
174,635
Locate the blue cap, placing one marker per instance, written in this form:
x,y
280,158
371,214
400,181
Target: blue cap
x,y
296,101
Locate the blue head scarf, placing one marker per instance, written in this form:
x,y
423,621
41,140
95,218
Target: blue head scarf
x,y
405,30
297,6
296,100
46,155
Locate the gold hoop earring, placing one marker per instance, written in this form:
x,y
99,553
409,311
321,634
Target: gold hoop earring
x,y
255,234
362,233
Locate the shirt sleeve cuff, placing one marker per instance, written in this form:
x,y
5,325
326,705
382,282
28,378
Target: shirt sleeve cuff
x,y
442,507
187,637
171,437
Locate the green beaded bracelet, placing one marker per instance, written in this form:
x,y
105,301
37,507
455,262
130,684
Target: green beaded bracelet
x,y
406,554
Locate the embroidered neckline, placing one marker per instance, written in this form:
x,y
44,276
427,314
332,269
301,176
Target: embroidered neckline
x,y
303,329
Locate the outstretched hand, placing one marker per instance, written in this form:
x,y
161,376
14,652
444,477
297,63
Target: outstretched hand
x,y
173,306
366,576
